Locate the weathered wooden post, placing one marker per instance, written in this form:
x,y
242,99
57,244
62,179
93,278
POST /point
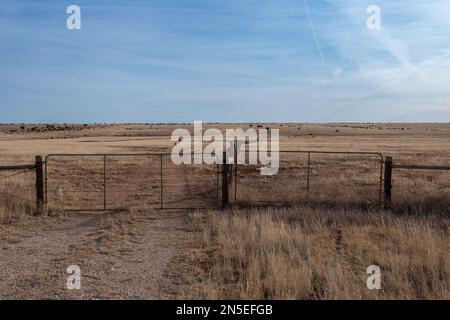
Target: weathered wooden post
x,y
388,182
225,168
39,167
161,181
104,182
308,173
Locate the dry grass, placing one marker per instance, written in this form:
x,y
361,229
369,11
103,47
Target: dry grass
x,y
17,200
296,253
306,253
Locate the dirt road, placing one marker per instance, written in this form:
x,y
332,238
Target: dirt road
x,y
122,255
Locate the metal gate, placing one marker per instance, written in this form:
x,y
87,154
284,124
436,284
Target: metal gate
x,y
112,181
316,176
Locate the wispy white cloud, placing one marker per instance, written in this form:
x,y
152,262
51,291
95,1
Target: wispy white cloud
x,y
389,68
173,60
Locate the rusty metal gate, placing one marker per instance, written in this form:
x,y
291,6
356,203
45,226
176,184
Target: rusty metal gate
x,y
114,181
316,176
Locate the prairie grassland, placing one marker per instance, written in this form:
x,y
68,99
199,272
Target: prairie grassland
x,y
17,200
315,251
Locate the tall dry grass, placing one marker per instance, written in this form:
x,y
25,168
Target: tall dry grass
x,y
17,196
307,253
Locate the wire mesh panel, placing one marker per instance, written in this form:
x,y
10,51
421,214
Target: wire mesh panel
x,y
133,180
100,182
316,176
421,187
107,181
345,178
288,185
17,189
189,185
75,182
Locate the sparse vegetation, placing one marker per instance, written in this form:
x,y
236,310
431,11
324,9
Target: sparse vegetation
x,y
313,253
302,252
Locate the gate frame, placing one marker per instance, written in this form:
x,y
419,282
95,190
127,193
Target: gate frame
x,y
226,168
104,156
308,180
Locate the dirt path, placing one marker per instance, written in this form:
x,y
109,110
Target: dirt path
x,y
127,255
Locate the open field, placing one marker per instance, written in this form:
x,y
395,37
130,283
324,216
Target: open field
x,y
317,253
307,251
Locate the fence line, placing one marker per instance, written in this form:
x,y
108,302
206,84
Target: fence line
x,y
316,161
420,167
151,173
174,188
388,177
18,167
152,179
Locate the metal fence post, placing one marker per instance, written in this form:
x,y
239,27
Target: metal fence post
x,y
45,183
39,165
161,181
224,181
380,188
307,177
235,169
388,182
104,182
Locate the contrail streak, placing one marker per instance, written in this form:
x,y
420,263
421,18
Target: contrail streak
x,y
315,38
429,63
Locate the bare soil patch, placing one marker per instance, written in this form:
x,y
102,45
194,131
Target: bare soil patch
x,y
124,255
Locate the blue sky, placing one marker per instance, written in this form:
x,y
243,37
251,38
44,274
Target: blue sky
x,y
225,61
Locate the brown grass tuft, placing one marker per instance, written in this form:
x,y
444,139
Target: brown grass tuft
x,y
305,253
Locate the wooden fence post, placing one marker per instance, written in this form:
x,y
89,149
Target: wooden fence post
x,y
39,164
308,173
225,168
388,182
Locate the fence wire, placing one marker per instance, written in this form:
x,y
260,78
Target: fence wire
x,y
108,181
313,176
17,187
115,181
102,182
412,187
